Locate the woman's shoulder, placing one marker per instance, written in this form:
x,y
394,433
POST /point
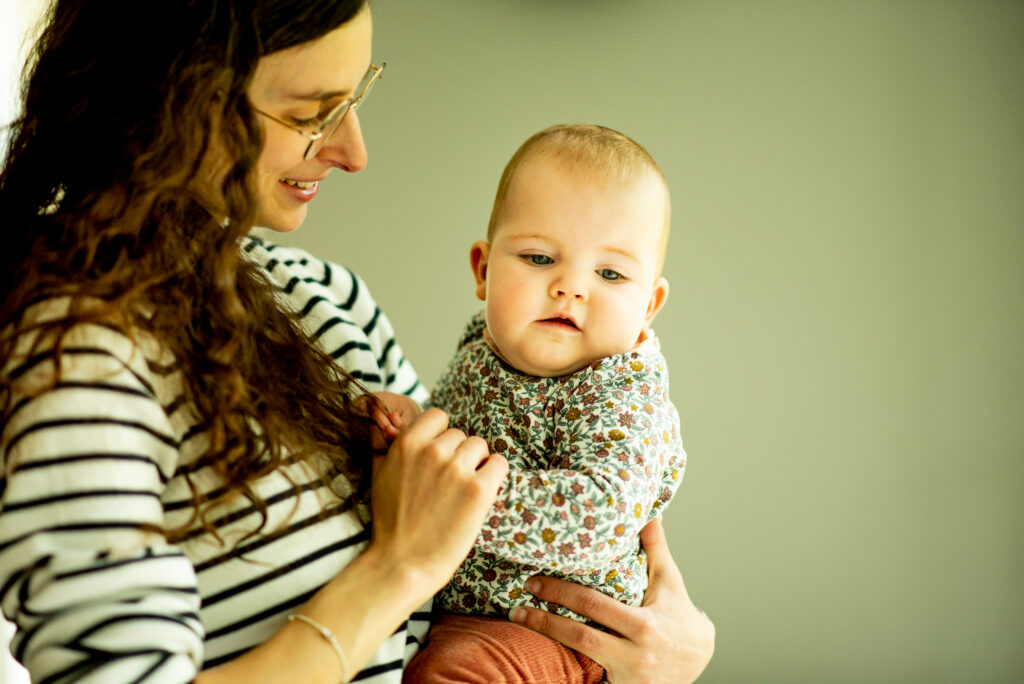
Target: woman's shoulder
x,y
84,322
304,281
335,308
272,256
284,263
61,337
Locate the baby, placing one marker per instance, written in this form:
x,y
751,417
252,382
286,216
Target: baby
x,y
562,375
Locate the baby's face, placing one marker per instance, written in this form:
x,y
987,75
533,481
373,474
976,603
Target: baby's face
x,y
570,275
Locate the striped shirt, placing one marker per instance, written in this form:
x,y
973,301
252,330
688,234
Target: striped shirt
x,y
89,467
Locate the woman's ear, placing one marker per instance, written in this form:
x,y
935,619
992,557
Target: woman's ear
x,y
658,296
478,254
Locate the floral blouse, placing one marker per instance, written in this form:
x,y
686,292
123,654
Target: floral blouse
x,y
593,457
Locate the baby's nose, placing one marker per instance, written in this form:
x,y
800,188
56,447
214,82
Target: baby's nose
x,y
569,286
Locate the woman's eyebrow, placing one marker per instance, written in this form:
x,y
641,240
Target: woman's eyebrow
x,y
320,95
317,96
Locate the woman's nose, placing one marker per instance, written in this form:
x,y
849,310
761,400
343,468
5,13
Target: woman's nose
x,y
345,148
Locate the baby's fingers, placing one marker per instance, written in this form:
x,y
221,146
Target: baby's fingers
x,y
384,433
395,424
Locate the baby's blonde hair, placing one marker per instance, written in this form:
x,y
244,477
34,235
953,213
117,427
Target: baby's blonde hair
x,y
603,151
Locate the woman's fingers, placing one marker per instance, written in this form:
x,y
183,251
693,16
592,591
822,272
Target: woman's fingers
x,y
665,640
430,494
491,472
433,437
683,633
428,426
472,452
473,460
588,602
661,567
595,644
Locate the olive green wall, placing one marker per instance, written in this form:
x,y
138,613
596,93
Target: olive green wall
x,y
846,323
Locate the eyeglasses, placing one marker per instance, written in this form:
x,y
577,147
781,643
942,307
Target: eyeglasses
x,y
330,122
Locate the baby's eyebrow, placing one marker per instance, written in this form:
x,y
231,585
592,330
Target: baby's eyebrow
x,y
620,250
527,236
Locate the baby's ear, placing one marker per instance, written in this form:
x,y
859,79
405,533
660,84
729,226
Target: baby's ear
x,y
658,296
478,254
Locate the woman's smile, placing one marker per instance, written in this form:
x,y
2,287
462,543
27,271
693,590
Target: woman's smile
x,y
300,191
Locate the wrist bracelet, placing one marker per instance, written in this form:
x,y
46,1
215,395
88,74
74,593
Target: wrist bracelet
x,y
328,635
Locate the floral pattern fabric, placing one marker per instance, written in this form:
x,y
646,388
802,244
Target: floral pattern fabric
x,y
593,457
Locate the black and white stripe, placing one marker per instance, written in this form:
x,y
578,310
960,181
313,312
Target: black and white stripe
x,y
92,466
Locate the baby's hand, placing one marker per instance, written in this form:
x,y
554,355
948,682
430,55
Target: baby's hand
x,y
392,413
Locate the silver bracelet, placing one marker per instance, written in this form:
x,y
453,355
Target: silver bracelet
x,y
329,636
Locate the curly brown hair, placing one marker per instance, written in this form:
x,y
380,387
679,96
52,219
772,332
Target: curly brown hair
x,y
95,198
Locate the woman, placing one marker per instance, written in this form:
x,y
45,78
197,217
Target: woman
x,y
187,462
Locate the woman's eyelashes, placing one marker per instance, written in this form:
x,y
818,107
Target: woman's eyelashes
x,y
311,122
317,120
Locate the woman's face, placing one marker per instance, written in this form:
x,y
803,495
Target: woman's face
x,y
298,85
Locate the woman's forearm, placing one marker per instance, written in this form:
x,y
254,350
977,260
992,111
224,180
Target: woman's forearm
x,y
362,606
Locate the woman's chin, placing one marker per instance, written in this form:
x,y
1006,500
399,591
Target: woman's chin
x,y
282,221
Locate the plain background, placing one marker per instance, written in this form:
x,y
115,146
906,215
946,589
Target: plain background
x,y
846,322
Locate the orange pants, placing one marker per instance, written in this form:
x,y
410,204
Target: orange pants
x,y
478,650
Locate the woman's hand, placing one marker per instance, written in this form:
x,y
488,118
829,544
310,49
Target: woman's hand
x,y
667,639
429,497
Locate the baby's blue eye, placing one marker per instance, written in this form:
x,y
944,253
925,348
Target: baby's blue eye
x,y
540,259
609,274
